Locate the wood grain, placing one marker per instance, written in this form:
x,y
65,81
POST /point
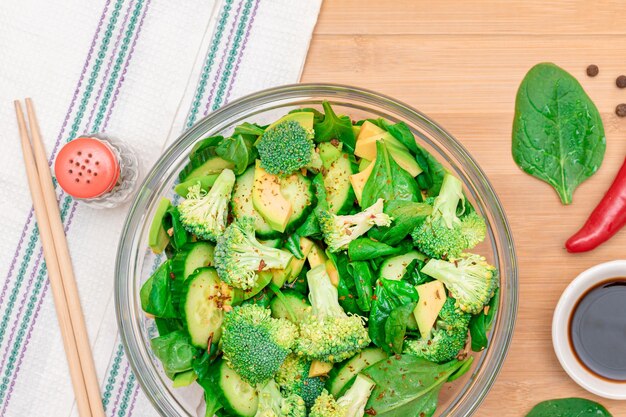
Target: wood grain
x,y
461,63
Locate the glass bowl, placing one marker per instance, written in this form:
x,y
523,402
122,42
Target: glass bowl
x,y
135,262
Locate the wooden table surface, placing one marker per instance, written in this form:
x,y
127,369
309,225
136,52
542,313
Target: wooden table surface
x,y
461,63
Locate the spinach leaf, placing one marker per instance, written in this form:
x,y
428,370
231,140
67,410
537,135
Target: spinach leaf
x,y
175,351
400,131
406,216
364,280
335,127
346,289
558,134
207,372
166,326
431,178
481,323
388,181
310,227
205,143
171,220
292,244
364,249
467,365
389,314
156,293
414,274
249,129
407,386
236,150
569,407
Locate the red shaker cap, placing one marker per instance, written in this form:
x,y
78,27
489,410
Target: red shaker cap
x,y
86,168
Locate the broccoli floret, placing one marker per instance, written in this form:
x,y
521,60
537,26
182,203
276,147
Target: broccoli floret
x,y
205,214
293,377
255,344
329,334
470,279
446,339
273,404
239,255
339,231
443,234
351,404
286,148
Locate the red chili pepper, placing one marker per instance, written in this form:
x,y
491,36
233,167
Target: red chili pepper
x,y
607,218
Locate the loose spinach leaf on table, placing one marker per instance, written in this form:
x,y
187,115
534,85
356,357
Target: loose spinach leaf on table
x,y
388,181
393,302
406,216
175,352
569,407
335,127
558,134
481,323
407,386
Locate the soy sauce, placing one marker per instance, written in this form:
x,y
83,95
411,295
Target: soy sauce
x,y
597,330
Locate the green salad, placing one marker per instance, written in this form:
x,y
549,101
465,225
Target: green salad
x,y
318,266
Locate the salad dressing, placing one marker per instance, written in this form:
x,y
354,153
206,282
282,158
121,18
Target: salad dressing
x,y
597,330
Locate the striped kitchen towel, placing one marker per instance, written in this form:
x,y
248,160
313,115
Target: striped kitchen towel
x,y
141,70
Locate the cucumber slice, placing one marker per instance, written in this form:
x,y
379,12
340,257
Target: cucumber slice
x,y
339,193
191,257
297,302
300,192
206,183
241,204
203,163
329,152
202,306
158,237
343,374
394,268
237,396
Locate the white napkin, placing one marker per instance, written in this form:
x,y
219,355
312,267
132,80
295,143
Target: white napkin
x,y
141,70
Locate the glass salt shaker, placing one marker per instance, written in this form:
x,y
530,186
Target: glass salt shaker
x,y
99,171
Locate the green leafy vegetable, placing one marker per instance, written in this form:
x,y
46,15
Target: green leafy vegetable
x,y
400,131
346,288
363,249
569,407
249,129
558,134
171,220
238,151
481,323
431,178
393,302
388,181
407,386
156,293
209,142
364,280
406,216
175,352
335,127
292,244
414,274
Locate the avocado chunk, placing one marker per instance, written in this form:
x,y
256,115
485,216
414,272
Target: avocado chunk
x,y
316,256
366,148
319,368
206,183
268,201
305,118
432,297
369,129
157,236
358,181
329,153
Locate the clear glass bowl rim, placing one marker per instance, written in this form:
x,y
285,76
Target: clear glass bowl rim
x,y
490,361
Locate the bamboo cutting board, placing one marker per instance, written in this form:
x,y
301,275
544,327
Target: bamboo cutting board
x,y
461,63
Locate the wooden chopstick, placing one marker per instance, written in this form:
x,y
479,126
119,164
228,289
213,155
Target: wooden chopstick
x,y
54,272
65,265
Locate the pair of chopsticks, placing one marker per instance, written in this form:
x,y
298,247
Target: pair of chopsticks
x,y
59,264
